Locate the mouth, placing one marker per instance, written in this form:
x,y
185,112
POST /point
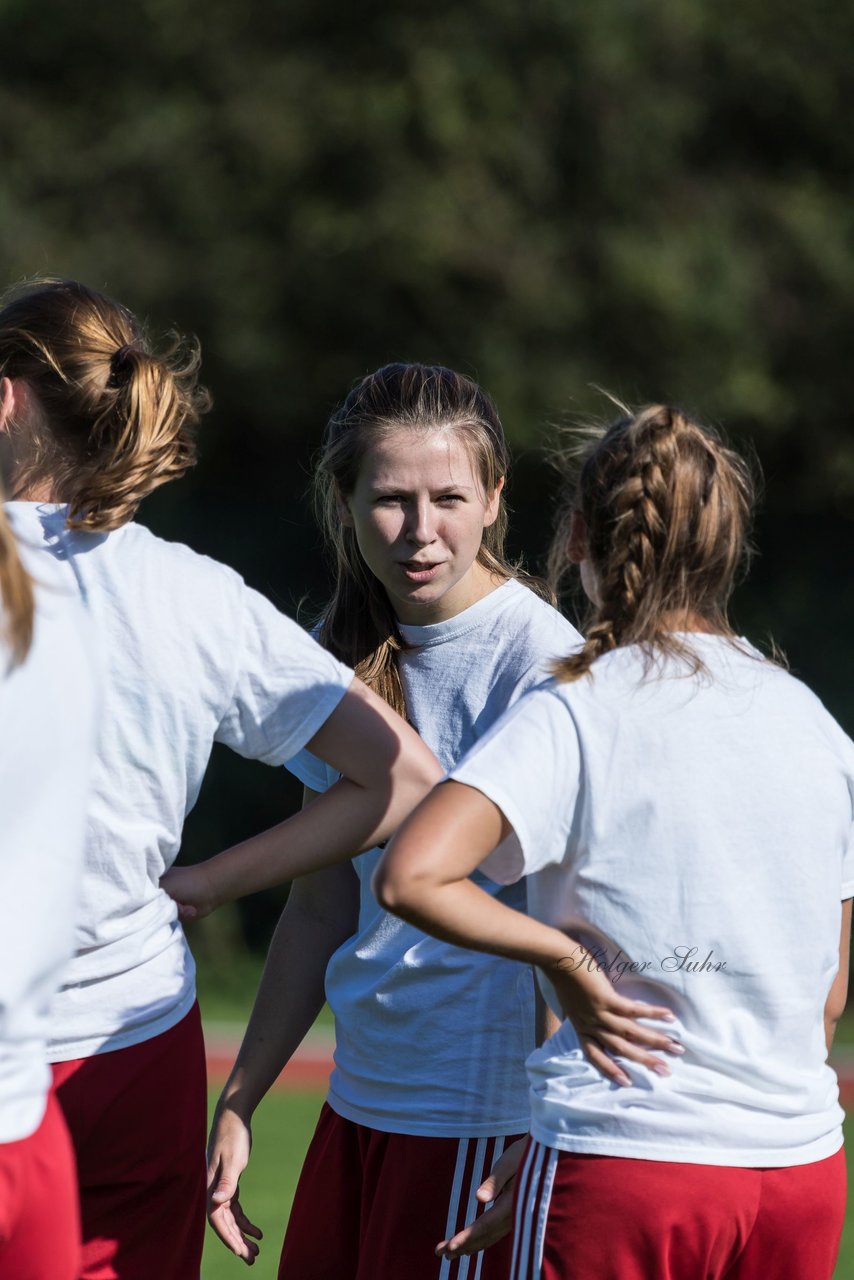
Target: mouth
x,y
419,571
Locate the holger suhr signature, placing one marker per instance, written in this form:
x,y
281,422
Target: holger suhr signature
x,y
678,960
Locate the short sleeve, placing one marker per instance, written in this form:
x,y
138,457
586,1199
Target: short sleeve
x,y
848,870
312,773
285,687
848,857
529,765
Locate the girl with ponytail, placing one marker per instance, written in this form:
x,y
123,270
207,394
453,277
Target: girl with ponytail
x,y
47,711
684,812
428,1087
97,419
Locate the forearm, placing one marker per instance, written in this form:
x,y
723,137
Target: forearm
x,y
289,998
343,822
464,914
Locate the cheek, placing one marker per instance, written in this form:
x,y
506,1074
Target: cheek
x,y
466,529
380,529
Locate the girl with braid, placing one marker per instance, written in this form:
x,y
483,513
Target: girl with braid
x,y
684,813
96,418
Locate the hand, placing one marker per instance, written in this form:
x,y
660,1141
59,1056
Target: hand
x,y
228,1155
191,889
495,1223
607,1023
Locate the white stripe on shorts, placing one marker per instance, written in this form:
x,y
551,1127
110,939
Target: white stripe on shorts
x,y
521,1202
543,1215
454,1203
531,1205
472,1202
498,1151
532,1212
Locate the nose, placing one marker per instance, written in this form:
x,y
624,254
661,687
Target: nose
x,y
420,526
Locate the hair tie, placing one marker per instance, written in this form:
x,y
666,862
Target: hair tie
x,y
121,364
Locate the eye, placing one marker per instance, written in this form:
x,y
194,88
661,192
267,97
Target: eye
x,y
388,500
450,499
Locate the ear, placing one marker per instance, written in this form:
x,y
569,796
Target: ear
x,y
345,515
494,505
577,546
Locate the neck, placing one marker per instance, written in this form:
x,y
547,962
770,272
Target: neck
x,y
41,491
689,620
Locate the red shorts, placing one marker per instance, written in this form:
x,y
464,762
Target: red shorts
x,y
39,1214
138,1121
581,1217
372,1204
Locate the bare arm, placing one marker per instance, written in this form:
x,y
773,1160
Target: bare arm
x,y
836,1000
386,770
423,877
321,912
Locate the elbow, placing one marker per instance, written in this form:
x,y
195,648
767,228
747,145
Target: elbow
x,y
389,888
414,764
396,889
420,776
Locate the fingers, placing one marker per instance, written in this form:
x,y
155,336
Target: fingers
x,y
644,1037
248,1228
222,1185
628,1012
502,1173
602,1049
638,1009
225,1212
486,1230
610,1069
227,1227
620,1020
186,912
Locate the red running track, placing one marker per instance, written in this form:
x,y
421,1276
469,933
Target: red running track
x,y
310,1066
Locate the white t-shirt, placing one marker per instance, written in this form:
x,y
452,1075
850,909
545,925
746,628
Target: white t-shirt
x,y
47,710
191,656
700,830
431,1039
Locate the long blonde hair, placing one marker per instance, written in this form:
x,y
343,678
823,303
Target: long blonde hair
x,y
359,625
16,595
667,508
111,420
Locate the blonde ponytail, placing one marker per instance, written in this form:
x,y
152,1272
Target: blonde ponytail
x,y
111,419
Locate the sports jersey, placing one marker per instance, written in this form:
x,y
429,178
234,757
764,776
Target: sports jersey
x,y
695,833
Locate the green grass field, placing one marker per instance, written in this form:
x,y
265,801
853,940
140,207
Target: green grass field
x,y
282,1129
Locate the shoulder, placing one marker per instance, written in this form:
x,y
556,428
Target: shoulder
x,y
174,563
802,701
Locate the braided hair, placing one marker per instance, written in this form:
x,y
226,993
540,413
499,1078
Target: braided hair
x,y
666,507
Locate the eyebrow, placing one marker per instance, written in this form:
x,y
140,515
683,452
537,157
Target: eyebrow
x,y
380,488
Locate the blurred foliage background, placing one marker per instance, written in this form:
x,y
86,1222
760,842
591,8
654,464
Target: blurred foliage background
x,y
653,197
